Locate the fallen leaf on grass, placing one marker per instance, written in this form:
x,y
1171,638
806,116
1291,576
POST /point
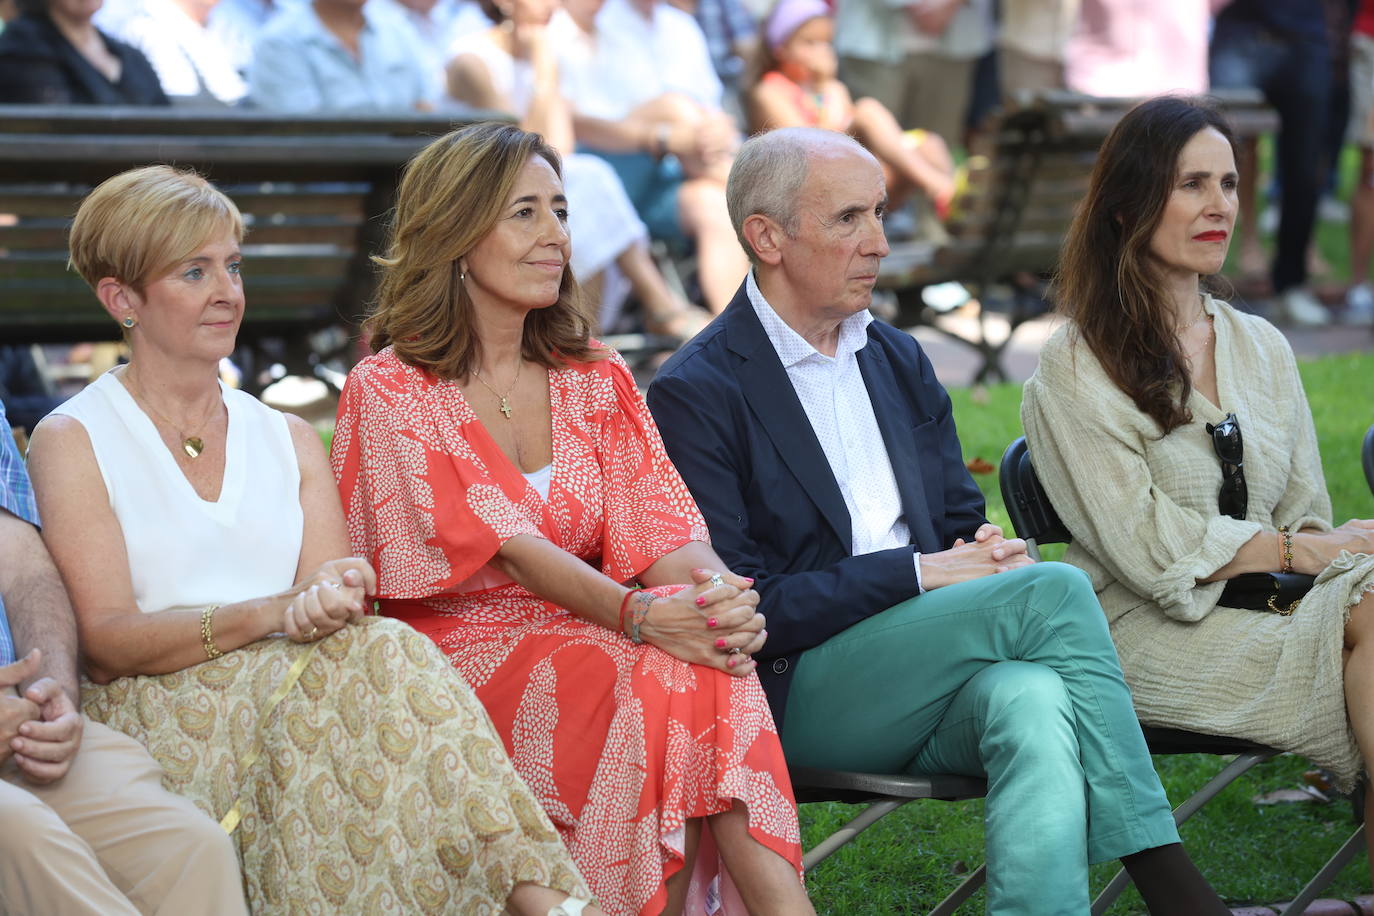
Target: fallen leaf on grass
x,y
1284,796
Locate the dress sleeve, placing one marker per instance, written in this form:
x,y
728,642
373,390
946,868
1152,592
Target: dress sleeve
x,y
425,502
648,510
1088,445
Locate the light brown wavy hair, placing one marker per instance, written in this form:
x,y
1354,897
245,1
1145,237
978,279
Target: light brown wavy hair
x,y
450,198
1108,282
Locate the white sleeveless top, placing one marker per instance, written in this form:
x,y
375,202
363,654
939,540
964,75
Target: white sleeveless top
x,y
185,552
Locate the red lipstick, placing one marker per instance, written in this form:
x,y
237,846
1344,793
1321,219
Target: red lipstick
x,y
1216,235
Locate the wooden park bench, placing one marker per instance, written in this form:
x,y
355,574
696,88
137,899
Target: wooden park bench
x,y
313,189
1025,179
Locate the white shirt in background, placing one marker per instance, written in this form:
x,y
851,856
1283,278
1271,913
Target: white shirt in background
x,y
191,61
632,59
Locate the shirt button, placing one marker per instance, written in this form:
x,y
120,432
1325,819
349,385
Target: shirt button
x,y
779,665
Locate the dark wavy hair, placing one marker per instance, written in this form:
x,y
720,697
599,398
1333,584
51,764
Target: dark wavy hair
x,y
1107,281
449,199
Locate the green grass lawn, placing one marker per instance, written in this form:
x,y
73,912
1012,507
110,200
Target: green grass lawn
x,y
911,859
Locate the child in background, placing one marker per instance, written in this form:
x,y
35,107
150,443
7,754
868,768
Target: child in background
x,y
796,86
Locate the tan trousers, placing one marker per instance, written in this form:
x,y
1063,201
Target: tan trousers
x,y
1017,70
108,840
928,91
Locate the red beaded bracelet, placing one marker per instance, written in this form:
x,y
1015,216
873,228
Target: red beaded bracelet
x,y
624,605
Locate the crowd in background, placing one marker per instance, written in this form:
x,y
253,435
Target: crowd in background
x,y
663,90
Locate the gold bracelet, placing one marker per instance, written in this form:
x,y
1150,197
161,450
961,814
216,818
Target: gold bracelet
x,y
207,635
1286,561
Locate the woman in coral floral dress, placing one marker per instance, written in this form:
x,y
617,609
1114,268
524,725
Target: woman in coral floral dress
x,y
502,473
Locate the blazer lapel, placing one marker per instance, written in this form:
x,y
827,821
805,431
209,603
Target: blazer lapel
x,y
894,422
775,404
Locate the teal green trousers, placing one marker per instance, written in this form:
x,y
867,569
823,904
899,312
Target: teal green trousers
x,y
1012,677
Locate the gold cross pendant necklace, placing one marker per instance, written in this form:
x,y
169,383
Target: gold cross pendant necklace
x,y
505,398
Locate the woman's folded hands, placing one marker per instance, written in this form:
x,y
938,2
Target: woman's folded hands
x,y
329,599
714,622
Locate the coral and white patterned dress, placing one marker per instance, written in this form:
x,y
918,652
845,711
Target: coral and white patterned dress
x,y
620,742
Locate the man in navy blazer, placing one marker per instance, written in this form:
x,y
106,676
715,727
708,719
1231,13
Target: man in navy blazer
x,y
905,633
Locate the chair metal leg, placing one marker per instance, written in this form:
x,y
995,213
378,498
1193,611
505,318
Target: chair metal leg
x,y
867,818
1349,849
846,834
1187,809
1230,772
967,889
1109,893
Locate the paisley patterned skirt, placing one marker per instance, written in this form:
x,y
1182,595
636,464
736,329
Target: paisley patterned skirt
x,y
378,784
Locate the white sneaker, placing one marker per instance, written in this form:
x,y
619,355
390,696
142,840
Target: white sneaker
x,y
1359,305
1297,306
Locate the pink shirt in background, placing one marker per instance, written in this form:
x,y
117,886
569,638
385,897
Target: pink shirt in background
x,y
1139,47
1364,18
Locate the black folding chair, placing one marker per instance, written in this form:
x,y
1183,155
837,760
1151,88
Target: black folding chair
x,y
883,795
1367,456
1035,521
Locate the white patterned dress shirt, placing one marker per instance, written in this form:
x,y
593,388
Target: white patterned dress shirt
x,y
833,395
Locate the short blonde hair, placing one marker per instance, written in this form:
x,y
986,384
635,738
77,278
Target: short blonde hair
x,y
450,198
139,224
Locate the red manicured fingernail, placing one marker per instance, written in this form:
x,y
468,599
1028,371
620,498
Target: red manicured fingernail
x,y
699,571
749,580
731,661
720,643
701,602
710,621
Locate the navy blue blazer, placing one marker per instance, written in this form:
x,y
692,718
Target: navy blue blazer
x,y
736,431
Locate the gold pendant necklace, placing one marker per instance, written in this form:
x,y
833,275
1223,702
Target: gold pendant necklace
x,y
193,446
504,398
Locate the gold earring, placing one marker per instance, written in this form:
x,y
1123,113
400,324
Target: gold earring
x,y
129,321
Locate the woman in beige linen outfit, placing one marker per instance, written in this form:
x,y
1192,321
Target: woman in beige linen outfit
x,y
201,537
1136,479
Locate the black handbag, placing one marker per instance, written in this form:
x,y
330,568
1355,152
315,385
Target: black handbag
x,y
1266,591
1279,592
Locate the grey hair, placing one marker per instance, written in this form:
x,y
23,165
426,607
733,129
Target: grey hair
x,y
767,177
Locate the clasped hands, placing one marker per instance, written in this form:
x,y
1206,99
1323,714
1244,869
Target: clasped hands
x,y
705,624
988,554
330,599
40,730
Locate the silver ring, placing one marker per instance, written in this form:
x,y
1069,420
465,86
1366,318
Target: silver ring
x,y
734,651
716,581
334,585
